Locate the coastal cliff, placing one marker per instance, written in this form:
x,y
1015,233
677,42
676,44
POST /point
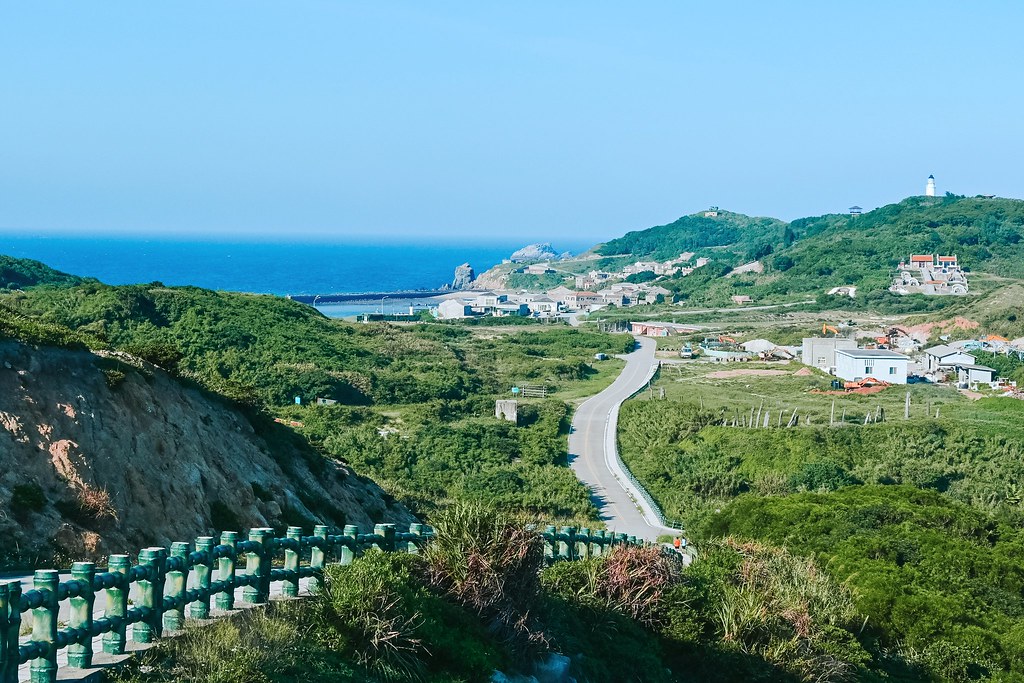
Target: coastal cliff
x,y
105,453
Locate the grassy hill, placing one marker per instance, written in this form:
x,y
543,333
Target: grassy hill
x,y
811,255
18,273
415,403
741,235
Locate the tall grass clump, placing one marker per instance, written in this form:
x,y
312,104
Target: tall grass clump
x,y
488,561
785,609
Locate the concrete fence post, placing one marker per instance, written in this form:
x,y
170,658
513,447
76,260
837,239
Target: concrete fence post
x,y
200,609
584,544
387,532
316,558
550,546
257,566
415,530
80,653
348,552
566,541
10,607
290,587
151,595
117,605
226,572
43,669
174,618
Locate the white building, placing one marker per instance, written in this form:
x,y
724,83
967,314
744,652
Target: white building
x,y
929,188
941,357
452,309
543,305
820,352
971,374
857,364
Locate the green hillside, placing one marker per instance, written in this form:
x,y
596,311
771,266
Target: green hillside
x,y
415,402
811,255
16,273
742,235
986,234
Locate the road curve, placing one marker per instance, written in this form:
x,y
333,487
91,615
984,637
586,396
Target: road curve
x,y
593,452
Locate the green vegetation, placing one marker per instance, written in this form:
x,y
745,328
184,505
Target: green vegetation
x,y
25,273
482,598
27,498
415,403
811,255
919,518
937,580
697,232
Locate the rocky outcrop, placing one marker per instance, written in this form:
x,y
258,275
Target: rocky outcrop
x,y
540,251
98,456
464,277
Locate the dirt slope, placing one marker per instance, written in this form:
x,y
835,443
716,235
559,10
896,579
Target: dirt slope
x,y
93,462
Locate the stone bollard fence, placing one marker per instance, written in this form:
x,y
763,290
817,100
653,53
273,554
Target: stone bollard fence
x,y
162,578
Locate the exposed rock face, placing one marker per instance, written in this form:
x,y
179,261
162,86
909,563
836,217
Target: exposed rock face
x,y
98,469
464,277
541,251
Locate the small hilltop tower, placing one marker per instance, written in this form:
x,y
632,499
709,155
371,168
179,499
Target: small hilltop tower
x,y
929,188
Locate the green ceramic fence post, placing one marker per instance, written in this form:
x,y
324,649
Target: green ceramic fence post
x,y
290,587
567,545
414,544
316,557
8,660
80,653
348,552
151,595
387,531
226,572
583,548
117,605
257,565
550,547
13,629
200,609
44,626
174,618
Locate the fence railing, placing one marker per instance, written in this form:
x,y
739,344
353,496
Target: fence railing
x,y
162,578
202,576
568,543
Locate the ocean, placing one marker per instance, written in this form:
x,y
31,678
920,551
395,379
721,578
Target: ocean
x,y
267,266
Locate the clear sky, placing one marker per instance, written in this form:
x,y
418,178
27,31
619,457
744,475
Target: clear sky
x,y
478,120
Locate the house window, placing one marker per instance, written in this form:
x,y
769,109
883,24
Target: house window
x,y
892,371
868,367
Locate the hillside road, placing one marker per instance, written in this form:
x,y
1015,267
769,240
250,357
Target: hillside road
x,y
593,451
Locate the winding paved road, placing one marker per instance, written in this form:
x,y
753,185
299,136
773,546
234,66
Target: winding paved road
x,y
593,452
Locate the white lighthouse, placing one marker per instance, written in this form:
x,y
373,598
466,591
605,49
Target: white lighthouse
x,y
929,189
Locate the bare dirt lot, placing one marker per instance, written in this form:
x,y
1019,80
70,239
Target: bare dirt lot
x,y
727,374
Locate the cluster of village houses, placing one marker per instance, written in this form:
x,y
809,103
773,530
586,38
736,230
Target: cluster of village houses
x,y
930,275
548,304
896,358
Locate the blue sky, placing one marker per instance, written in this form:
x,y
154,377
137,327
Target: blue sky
x,y
565,121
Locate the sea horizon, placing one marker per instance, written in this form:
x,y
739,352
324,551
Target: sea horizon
x,y
258,265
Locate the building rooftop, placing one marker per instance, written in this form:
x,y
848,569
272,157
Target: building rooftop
x,y
970,366
942,350
871,353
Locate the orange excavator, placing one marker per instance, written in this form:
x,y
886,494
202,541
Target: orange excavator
x,y
826,328
864,384
727,340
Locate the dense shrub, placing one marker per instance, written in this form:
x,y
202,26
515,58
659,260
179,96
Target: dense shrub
x,y
26,498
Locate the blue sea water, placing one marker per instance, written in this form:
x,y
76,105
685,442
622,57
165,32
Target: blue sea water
x,y
263,267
